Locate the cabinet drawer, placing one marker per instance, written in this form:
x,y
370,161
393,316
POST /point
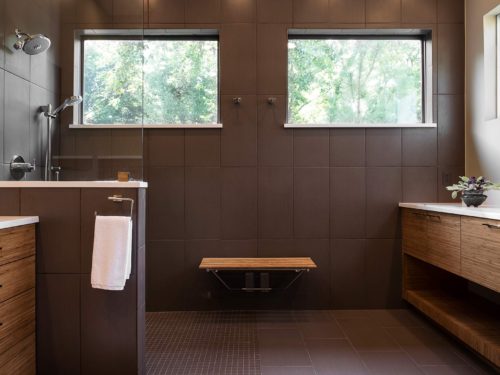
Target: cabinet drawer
x,y
17,243
20,359
17,277
433,238
443,239
481,251
415,233
17,319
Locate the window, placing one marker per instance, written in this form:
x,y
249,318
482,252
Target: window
x,y
357,79
155,80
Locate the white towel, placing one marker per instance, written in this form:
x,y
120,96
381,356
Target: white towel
x,y
112,255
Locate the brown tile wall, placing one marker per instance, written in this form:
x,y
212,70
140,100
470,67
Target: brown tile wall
x,y
73,319
27,82
256,189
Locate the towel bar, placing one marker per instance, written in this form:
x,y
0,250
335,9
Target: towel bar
x,y
120,199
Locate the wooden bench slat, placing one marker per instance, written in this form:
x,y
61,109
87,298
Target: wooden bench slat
x,y
257,263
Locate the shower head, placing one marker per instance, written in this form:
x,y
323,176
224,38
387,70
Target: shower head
x,y
68,102
31,44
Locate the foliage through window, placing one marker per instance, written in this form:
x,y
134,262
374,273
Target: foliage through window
x,y
150,81
355,80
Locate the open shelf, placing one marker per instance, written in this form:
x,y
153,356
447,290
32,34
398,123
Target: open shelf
x,y
470,319
446,299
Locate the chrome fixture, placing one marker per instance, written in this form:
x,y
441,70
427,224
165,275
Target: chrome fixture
x,y
271,100
237,100
119,199
18,167
50,115
31,44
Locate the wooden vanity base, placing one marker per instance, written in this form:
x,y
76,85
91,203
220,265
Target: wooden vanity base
x,y
438,250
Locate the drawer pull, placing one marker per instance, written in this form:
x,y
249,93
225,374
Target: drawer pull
x,y
492,226
437,217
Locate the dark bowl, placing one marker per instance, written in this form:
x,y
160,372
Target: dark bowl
x,y
473,199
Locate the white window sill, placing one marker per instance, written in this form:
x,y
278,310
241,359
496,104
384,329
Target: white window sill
x,y
145,126
359,126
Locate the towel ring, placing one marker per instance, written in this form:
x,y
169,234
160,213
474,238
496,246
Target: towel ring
x,y
120,199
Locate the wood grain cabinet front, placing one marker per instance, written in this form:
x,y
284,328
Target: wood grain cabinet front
x,y
17,300
481,251
17,243
433,238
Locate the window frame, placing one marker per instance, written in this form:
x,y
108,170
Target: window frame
x,y
425,36
154,34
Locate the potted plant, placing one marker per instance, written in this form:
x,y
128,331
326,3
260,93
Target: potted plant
x,y
472,190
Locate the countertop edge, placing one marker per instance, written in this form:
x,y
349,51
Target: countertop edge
x,y
486,212
17,221
74,184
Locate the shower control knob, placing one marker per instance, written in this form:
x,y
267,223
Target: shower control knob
x,y
18,167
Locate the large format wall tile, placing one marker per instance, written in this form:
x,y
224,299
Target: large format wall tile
x,y
59,212
451,60
9,202
383,147
347,11
347,147
450,11
275,202
166,11
272,65
383,273
383,194
102,352
311,148
58,324
419,147
275,143
238,65
420,184
309,11
348,272
274,11
419,11
166,215
310,202
451,136
242,11
239,203
203,202
203,147
160,295
239,135
383,11
347,202
164,148
202,11
17,118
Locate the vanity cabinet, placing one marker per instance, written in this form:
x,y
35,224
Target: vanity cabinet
x,y
432,237
442,254
481,251
17,300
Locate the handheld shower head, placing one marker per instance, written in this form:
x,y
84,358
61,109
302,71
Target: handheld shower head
x,y
31,44
68,102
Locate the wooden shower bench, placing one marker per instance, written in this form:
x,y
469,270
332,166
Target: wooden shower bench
x,y
299,265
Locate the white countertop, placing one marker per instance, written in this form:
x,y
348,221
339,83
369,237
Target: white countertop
x,y
484,211
16,221
73,184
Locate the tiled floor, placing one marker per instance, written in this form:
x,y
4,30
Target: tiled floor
x,y
340,342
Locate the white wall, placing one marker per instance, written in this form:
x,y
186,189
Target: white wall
x,y
482,138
